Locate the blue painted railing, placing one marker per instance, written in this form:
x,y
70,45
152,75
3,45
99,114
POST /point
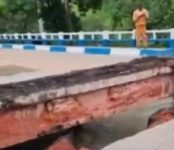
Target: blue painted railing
x,y
104,38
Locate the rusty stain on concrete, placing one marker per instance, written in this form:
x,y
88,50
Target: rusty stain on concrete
x,y
30,109
22,124
161,116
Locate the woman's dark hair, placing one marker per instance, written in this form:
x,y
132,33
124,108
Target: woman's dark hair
x,y
140,6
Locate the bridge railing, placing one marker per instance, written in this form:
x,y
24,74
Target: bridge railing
x,y
105,38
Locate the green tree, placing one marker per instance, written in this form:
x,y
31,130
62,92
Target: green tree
x,y
55,16
74,15
117,14
161,14
18,16
58,15
85,5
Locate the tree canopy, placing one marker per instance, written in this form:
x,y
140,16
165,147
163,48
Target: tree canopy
x,y
75,15
18,16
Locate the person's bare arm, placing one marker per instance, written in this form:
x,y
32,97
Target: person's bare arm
x,y
146,13
134,18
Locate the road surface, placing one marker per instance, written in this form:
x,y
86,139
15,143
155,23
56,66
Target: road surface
x,y
17,65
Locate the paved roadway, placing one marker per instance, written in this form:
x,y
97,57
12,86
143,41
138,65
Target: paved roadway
x,y
17,65
50,63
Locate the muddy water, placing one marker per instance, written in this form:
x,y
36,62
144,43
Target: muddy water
x,y
98,134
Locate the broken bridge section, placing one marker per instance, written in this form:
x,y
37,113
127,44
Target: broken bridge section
x,y
34,108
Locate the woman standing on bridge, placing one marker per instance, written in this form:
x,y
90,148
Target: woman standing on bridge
x,y
140,17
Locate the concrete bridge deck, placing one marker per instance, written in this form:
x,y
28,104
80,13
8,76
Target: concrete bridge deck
x,y
18,65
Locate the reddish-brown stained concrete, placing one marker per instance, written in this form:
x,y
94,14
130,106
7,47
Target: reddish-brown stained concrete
x,y
85,95
53,87
62,144
161,116
29,122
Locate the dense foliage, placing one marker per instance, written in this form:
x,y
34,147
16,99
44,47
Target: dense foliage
x,y
75,15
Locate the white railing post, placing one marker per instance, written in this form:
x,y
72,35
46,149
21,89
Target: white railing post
x,y
105,38
43,38
81,36
29,36
134,38
171,42
16,36
172,33
9,36
119,36
133,34
105,35
92,36
5,36
61,36
70,36
154,34
43,35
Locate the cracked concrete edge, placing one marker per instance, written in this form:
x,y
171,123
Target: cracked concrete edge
x,y
77,82
90,86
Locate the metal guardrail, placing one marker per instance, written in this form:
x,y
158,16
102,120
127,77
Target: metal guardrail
x,y
81,38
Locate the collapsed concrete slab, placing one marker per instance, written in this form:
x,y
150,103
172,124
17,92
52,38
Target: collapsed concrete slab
x,y
35,108
77,82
